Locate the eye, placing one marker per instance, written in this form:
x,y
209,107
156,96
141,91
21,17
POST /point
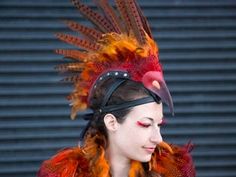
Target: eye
x,y
145,125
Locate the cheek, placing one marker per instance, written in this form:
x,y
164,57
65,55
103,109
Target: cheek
x,y
134,137
131,146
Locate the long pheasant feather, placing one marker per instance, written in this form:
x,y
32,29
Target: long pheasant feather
x,y
144,20
95,17
110,14
76,41
73,54
70,67
135,21
124,14
90,33
73,79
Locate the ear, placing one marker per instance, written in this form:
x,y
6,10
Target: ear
x,y
111,122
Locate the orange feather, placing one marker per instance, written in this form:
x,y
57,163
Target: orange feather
x,y
177,162
90,161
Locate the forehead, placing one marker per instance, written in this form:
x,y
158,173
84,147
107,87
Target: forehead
x,y
152,110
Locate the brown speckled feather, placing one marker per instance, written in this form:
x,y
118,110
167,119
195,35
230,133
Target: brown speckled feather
x,y
73,54
76,41
144,20
90,33
137,25
70,67
101,22
110,14
124,15
72,79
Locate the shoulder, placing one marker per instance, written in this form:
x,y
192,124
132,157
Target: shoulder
x,y
179,162
68,162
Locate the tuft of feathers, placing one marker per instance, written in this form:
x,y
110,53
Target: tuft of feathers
x,y
90,161
177,163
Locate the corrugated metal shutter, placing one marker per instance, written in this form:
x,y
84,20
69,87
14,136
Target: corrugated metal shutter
x,y
197,41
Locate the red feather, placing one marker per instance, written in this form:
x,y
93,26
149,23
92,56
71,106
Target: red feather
x,y
67,163
178,163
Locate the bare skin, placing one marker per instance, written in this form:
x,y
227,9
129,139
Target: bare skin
x,y
135,138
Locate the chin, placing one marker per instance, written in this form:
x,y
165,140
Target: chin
x,y
144,158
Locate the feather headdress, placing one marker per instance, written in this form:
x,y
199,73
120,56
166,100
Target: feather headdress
x,y
121,45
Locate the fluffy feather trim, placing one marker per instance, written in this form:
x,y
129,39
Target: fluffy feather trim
x,y
67,163
90,161
176,163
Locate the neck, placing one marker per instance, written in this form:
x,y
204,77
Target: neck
x,y
119,165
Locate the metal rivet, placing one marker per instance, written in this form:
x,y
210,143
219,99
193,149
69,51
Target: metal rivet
x,y
116,73
108,74
100,78
125,74
95,86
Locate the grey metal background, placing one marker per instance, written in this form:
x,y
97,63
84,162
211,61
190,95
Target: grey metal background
x,y
197,41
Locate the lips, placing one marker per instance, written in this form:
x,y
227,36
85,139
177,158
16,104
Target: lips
x,y
149,149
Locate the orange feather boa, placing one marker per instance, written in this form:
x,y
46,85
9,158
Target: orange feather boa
x,y
90,161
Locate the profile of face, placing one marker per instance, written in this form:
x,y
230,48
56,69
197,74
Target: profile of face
x,y
137,137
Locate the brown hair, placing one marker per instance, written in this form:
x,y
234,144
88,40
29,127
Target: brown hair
x,y
127,91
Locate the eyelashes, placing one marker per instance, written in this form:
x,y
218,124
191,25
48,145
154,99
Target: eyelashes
x,y
146,125
142,124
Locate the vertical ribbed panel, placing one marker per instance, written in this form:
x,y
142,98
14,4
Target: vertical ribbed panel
x,y
197,41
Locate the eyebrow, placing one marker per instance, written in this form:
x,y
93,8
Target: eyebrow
x,y
150,118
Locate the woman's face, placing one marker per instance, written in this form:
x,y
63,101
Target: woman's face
x,y
136,138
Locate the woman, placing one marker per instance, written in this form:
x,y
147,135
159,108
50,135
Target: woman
x,y
120,89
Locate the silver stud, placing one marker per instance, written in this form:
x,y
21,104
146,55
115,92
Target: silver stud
x,y
95,86
108,74
125,74
116,73
100,78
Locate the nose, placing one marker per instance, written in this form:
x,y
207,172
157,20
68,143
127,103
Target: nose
x,y
156,137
